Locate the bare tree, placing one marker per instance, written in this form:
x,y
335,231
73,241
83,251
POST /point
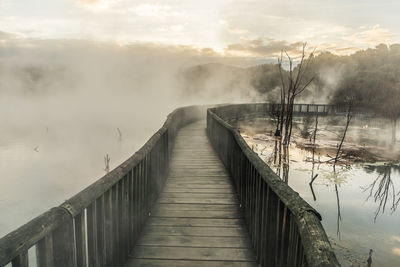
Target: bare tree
x,y
292,85
348,116
106,163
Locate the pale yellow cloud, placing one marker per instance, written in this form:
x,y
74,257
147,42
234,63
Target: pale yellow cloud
x,y
98,5
156,10
239,31
262,47
89,2
396,251
371,36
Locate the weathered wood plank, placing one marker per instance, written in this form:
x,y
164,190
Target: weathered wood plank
x,y
199,176
171,186
209,181
197,214
228,195
194,241
197,190
209,222
195,207
188,263
195,231
188,253
199,200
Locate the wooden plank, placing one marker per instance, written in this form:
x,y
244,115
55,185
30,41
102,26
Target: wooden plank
x,y
229,195
195,207
197,214
197,190
198,172
194,241
201,222
195,231
188,253
181,182
199,176
199,200
199,187
188,263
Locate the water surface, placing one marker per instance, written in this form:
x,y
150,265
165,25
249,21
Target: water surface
x,y
349,191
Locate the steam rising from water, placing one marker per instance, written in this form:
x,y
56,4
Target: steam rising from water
x,y
62,103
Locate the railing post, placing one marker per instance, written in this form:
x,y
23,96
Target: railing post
x,y
64,245
80,234
21,260
44,252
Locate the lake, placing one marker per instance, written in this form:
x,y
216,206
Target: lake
x,y
345,192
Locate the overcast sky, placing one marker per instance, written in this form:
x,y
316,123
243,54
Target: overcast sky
x,y
255,28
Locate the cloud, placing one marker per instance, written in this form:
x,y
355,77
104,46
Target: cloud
x,y
238,31
156,10
89,2
28,49
97,5
260,47
371,36
396,251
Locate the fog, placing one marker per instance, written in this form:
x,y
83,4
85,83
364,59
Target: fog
x,y
62,103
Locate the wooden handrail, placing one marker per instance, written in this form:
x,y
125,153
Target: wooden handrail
x,y
285,230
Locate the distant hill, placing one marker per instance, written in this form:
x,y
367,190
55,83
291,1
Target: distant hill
x,y
217,80
370,76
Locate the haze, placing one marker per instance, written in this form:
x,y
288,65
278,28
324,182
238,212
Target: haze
x,y
73,72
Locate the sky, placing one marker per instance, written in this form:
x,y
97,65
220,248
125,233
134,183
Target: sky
x,y
234,28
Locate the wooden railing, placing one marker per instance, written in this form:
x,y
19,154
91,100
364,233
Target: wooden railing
x,y
241,111
284,229
100,225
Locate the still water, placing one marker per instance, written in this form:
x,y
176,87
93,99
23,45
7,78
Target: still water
x,y
44,162
345,199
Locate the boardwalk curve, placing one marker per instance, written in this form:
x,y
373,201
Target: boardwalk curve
x,y
197,219
180,201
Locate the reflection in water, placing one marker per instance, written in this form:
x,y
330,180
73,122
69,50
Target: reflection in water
x,y
339,215
281,159
336,194
313,177
382,188
282,163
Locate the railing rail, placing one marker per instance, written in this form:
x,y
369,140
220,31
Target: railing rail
x,y
240,111
100,225
284,229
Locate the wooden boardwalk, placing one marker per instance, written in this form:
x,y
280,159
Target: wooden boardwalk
x,y
197,220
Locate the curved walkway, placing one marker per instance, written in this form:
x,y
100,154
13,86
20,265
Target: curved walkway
x,y
197,220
